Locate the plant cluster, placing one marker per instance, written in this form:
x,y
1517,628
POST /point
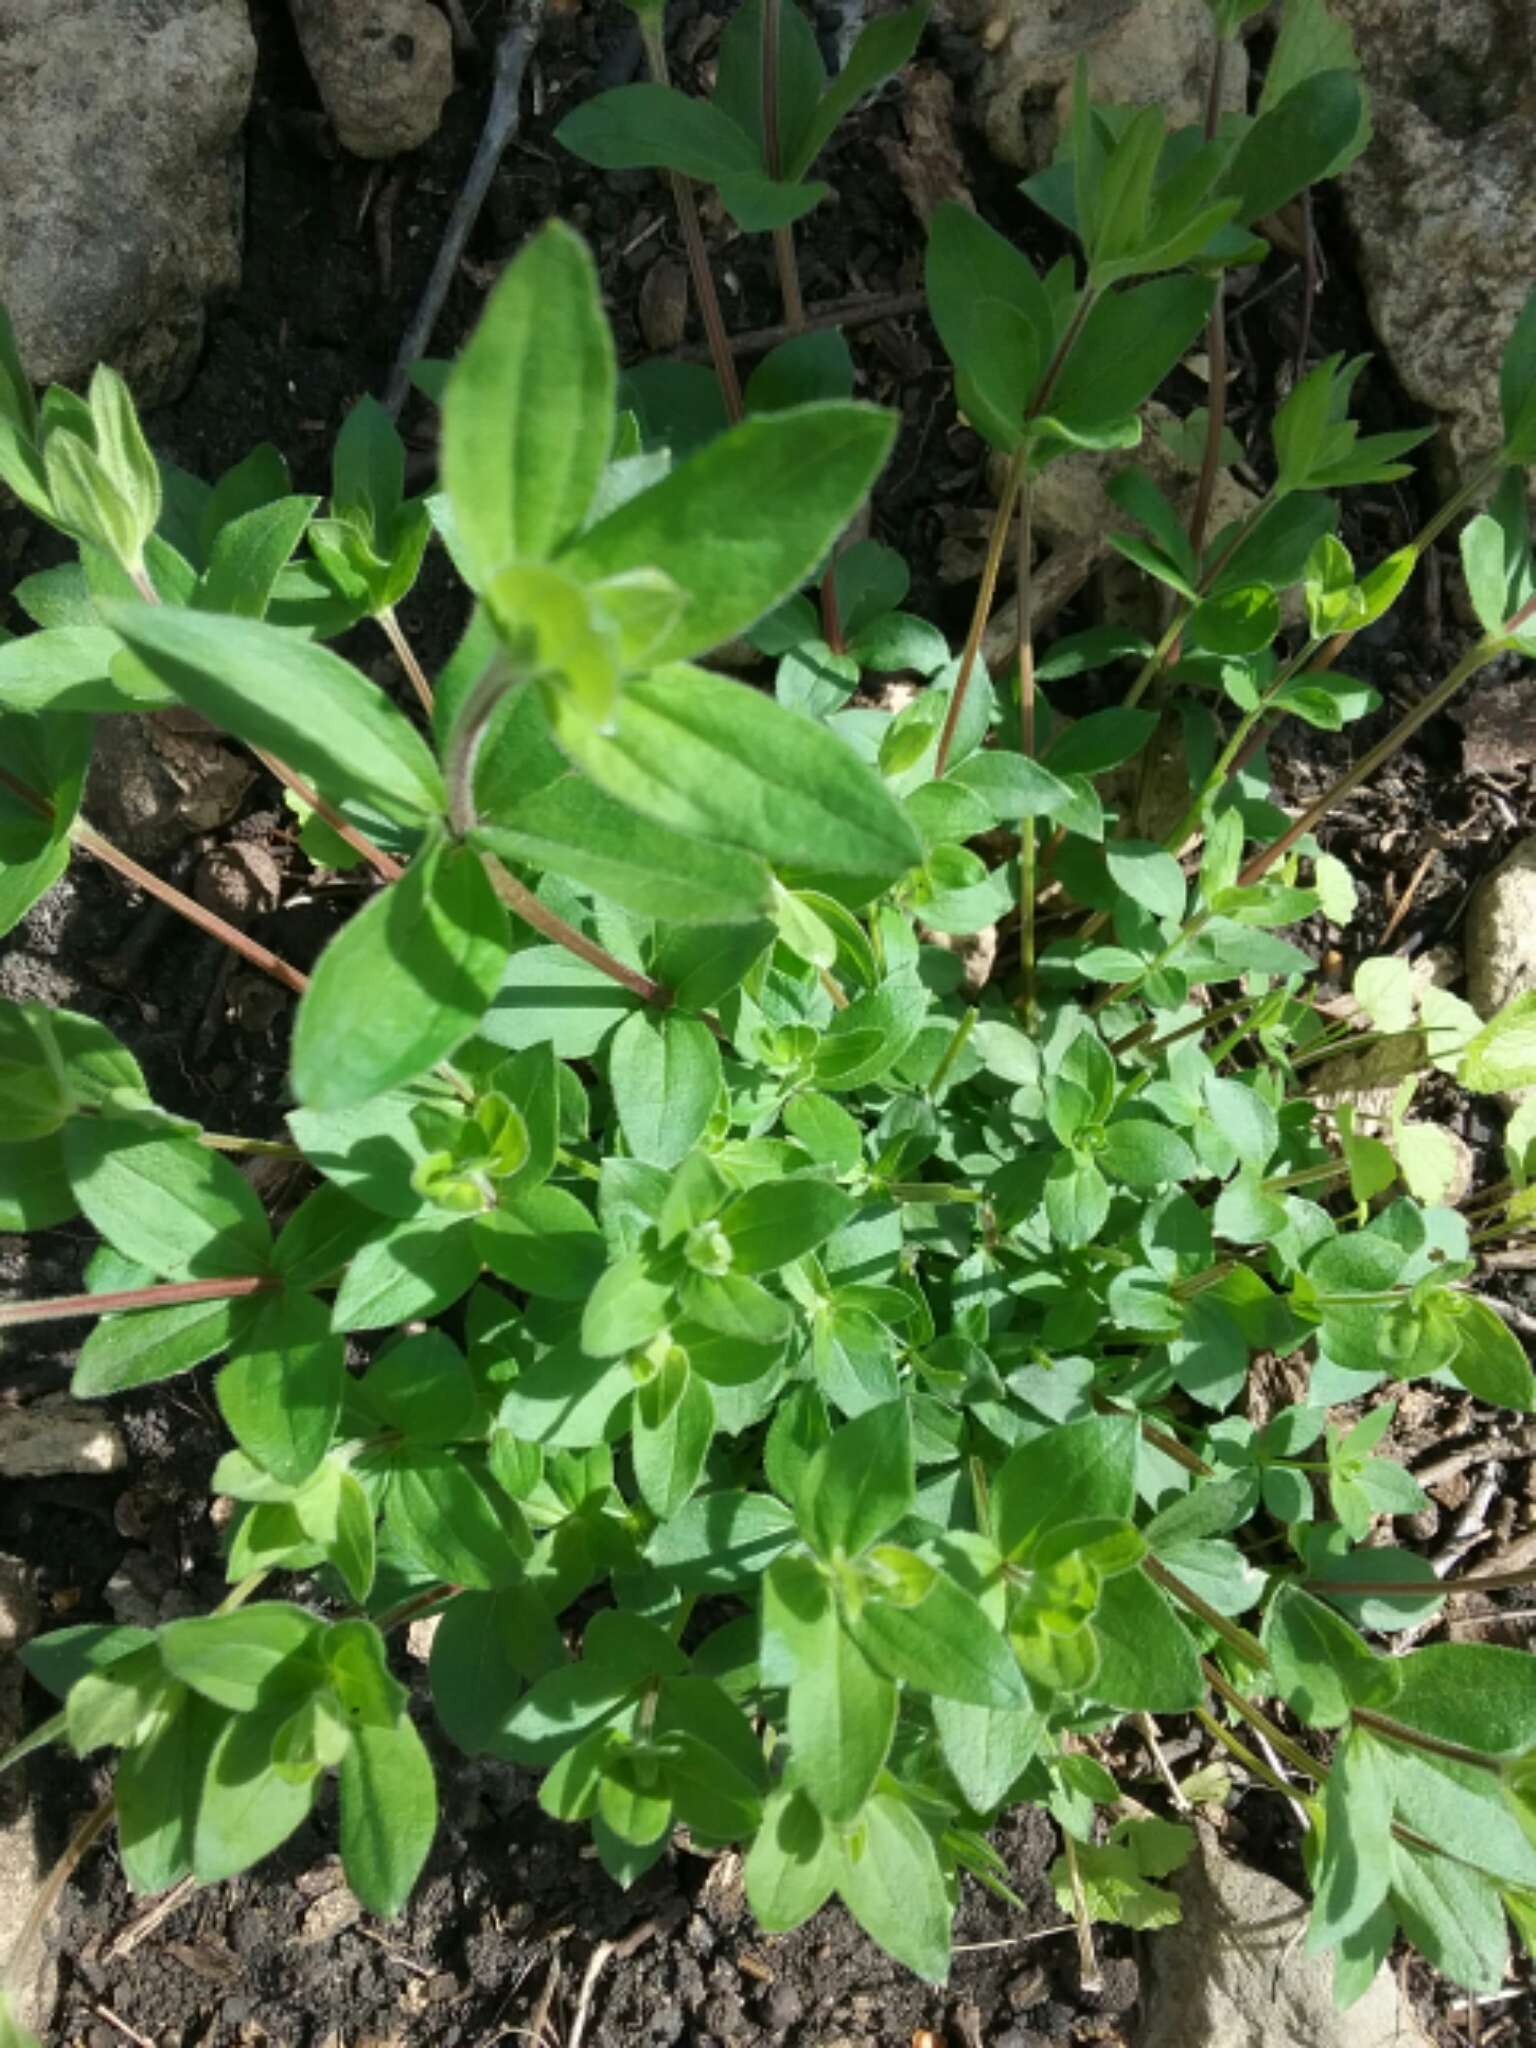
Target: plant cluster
x,y
809,1391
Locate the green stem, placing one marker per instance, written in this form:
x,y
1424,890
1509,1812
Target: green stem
x,y
268,1148
1250,1762
1246,1646
1476,658
980,612
1027,885
406,656
1414,1738
952,1052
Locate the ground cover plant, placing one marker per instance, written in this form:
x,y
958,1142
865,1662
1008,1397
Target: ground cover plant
x,y
802,1384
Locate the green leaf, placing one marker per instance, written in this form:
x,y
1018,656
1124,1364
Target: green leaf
x,y
741,524
791,1868
781,1220
1145,1154
1148,876
1147,1658
454,1521
804,370
1503,1054
145,1345
1453,1915
892,1883
296,699
1354,1871
410,1269
860,1483
1490,1360
249,555
545,1242
669,1454
1081,1470
969,265
549,995
943,1645
158,1789
251,1660
1322,1669
336,1515
404,983
528,412
664,1071
487,1646
1294,143
1125,348
987,1748
572,828
281,1392
883,47
651,127
721,1541
166,1203
711,757
841,1713
1478,1694
388,1814
1517,387
871,1035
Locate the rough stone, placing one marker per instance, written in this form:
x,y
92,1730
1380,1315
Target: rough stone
x,y
150,787
382,67
1234,1974
1441,201
57,1435
1501,932
1139,52
120,190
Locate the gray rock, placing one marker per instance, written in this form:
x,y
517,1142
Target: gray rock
x,y
119,189
1501,932
1234,1974
1139,52
56,1435
382,67
1441,201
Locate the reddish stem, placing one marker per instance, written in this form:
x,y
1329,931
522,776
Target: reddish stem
x,y
171,1294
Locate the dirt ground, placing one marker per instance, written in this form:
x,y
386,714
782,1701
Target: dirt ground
x,y
515,1932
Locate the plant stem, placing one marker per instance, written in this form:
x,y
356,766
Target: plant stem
x,y
1414,1738
952,1052
88,838
406,656
1475,658
783,237
1082,1920
693,240
168,1294
1427,1589
1245,1756
269,1148
1247,1646
382,863
1024,546
980,614
469,730
517,896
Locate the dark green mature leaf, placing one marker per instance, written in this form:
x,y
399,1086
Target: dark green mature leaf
x,y
893,1885
528,412
720,1541
1354,1872
987,1748
1081,1470
1517,387
549,995
1321,1667
1453,1915
884,45
1490,1360
742,523
1126,347
943,1645
791,1867
713,758
860,1483
573,828
1479,1694
281,1393
545,1242
1295,143
414,1268
403,984
664,1071
487,1647
842,1712
652,127
1147,1658
145,1345
388,1814
453,1520
252,1659
167,1203
778,1221
298,700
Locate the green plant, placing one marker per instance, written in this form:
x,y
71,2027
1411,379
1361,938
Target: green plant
x,y
805,1389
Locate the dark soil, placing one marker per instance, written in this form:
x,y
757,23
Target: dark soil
x,y
511,1919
